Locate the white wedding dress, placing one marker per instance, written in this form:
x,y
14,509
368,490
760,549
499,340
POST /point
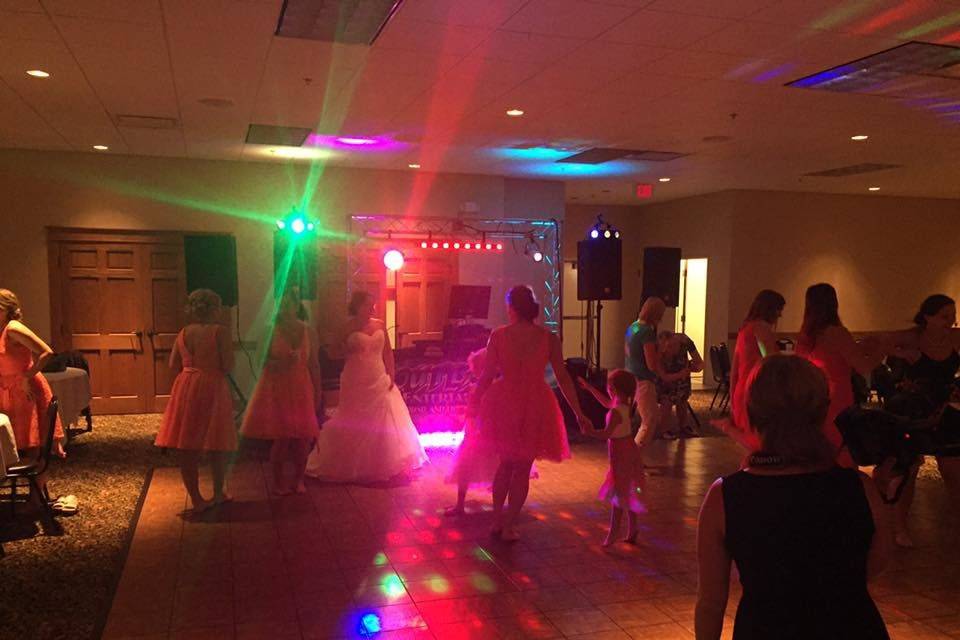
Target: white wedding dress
x,y
370,437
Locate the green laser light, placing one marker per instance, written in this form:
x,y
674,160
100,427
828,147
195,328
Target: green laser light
x,y
298,225
281,225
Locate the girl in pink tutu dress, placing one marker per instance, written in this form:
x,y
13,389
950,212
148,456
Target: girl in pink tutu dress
x,y
625,478
199,415
520,417
287,398
474,461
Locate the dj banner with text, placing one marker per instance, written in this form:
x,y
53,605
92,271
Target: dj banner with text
x,y
436,392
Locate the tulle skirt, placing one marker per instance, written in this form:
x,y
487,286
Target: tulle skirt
x,y
624,483
523,422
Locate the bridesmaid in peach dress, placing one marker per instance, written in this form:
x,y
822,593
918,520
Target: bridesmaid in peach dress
x,y
287,399
755,341
199,415
520,416
24,394
825,342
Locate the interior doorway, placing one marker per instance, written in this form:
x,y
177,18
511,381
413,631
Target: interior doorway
x,y
118,298
691,316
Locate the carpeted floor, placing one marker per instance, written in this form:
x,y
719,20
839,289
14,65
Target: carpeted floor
x,y
60,586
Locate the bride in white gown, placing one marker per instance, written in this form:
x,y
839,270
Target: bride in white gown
x,y
370,437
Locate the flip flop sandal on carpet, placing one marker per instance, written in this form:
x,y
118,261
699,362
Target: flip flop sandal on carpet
x,y
66,505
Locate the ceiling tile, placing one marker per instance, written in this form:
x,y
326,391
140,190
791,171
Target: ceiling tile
x,y
570,18
713,8
661,29
526,47
400,61
470,14
28,6
149,94
431,37
139,11
213,28
27,26
117,36
155,142
749,39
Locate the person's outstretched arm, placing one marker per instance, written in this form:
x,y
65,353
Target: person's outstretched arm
x,y
564,381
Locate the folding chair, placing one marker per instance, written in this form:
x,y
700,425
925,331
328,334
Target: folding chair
x,y
30,472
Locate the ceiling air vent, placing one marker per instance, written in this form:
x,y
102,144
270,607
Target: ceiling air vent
x,y
599,155
346,21
146,122
279,136
852,170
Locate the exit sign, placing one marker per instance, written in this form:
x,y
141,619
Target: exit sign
x,y
644,190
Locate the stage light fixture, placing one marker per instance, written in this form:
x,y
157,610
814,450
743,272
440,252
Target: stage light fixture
x,y
594,233
466,245
446,245
607,234
435,245
298,226
456,245
281,225
537,256
489,246
476,245
499,246
616,234
310,226
393,259
423,245
603,228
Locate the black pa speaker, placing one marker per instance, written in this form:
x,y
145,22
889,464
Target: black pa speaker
x,y
295,264
212,264
599,269
661,274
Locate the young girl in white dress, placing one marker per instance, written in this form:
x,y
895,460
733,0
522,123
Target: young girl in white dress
x,y
370,437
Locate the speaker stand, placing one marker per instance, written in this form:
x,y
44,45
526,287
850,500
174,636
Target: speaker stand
x,y
599,325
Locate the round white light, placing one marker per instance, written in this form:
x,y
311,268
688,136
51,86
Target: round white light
x,y
859,137
537,256
298,225
393,260
476,246
499,247
100,147
309,226
37,73
514,113
489,246
446,245
435,245
423,245
616,234
606,234
594,234
456,245
664,179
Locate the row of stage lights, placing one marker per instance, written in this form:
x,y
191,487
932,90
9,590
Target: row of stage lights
x,y
604,229
462,246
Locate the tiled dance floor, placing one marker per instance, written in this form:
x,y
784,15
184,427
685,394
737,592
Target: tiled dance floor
x,y
349,562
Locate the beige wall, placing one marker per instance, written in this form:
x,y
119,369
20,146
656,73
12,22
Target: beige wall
x,y
883,254
40,190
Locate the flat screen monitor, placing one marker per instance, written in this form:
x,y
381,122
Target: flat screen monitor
x,y
469,301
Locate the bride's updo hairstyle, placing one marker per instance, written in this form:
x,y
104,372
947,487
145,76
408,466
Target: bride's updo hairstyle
x,y
357,300
523,301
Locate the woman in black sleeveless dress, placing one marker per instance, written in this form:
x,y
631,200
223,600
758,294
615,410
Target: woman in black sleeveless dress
x,y
805,534
929,382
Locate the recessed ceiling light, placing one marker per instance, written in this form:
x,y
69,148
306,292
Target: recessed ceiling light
x,y
356,142
413,165
514,113
37,73
664,179
100,147
873,188
859,137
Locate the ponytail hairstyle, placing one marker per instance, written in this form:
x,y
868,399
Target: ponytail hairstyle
x,y
931,307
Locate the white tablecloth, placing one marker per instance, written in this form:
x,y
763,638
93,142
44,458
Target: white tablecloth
x,y
8,446
72,388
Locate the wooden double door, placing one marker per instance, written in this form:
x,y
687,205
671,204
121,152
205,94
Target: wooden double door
x,y
118,298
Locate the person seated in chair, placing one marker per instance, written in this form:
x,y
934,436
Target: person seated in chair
x,y
679,358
